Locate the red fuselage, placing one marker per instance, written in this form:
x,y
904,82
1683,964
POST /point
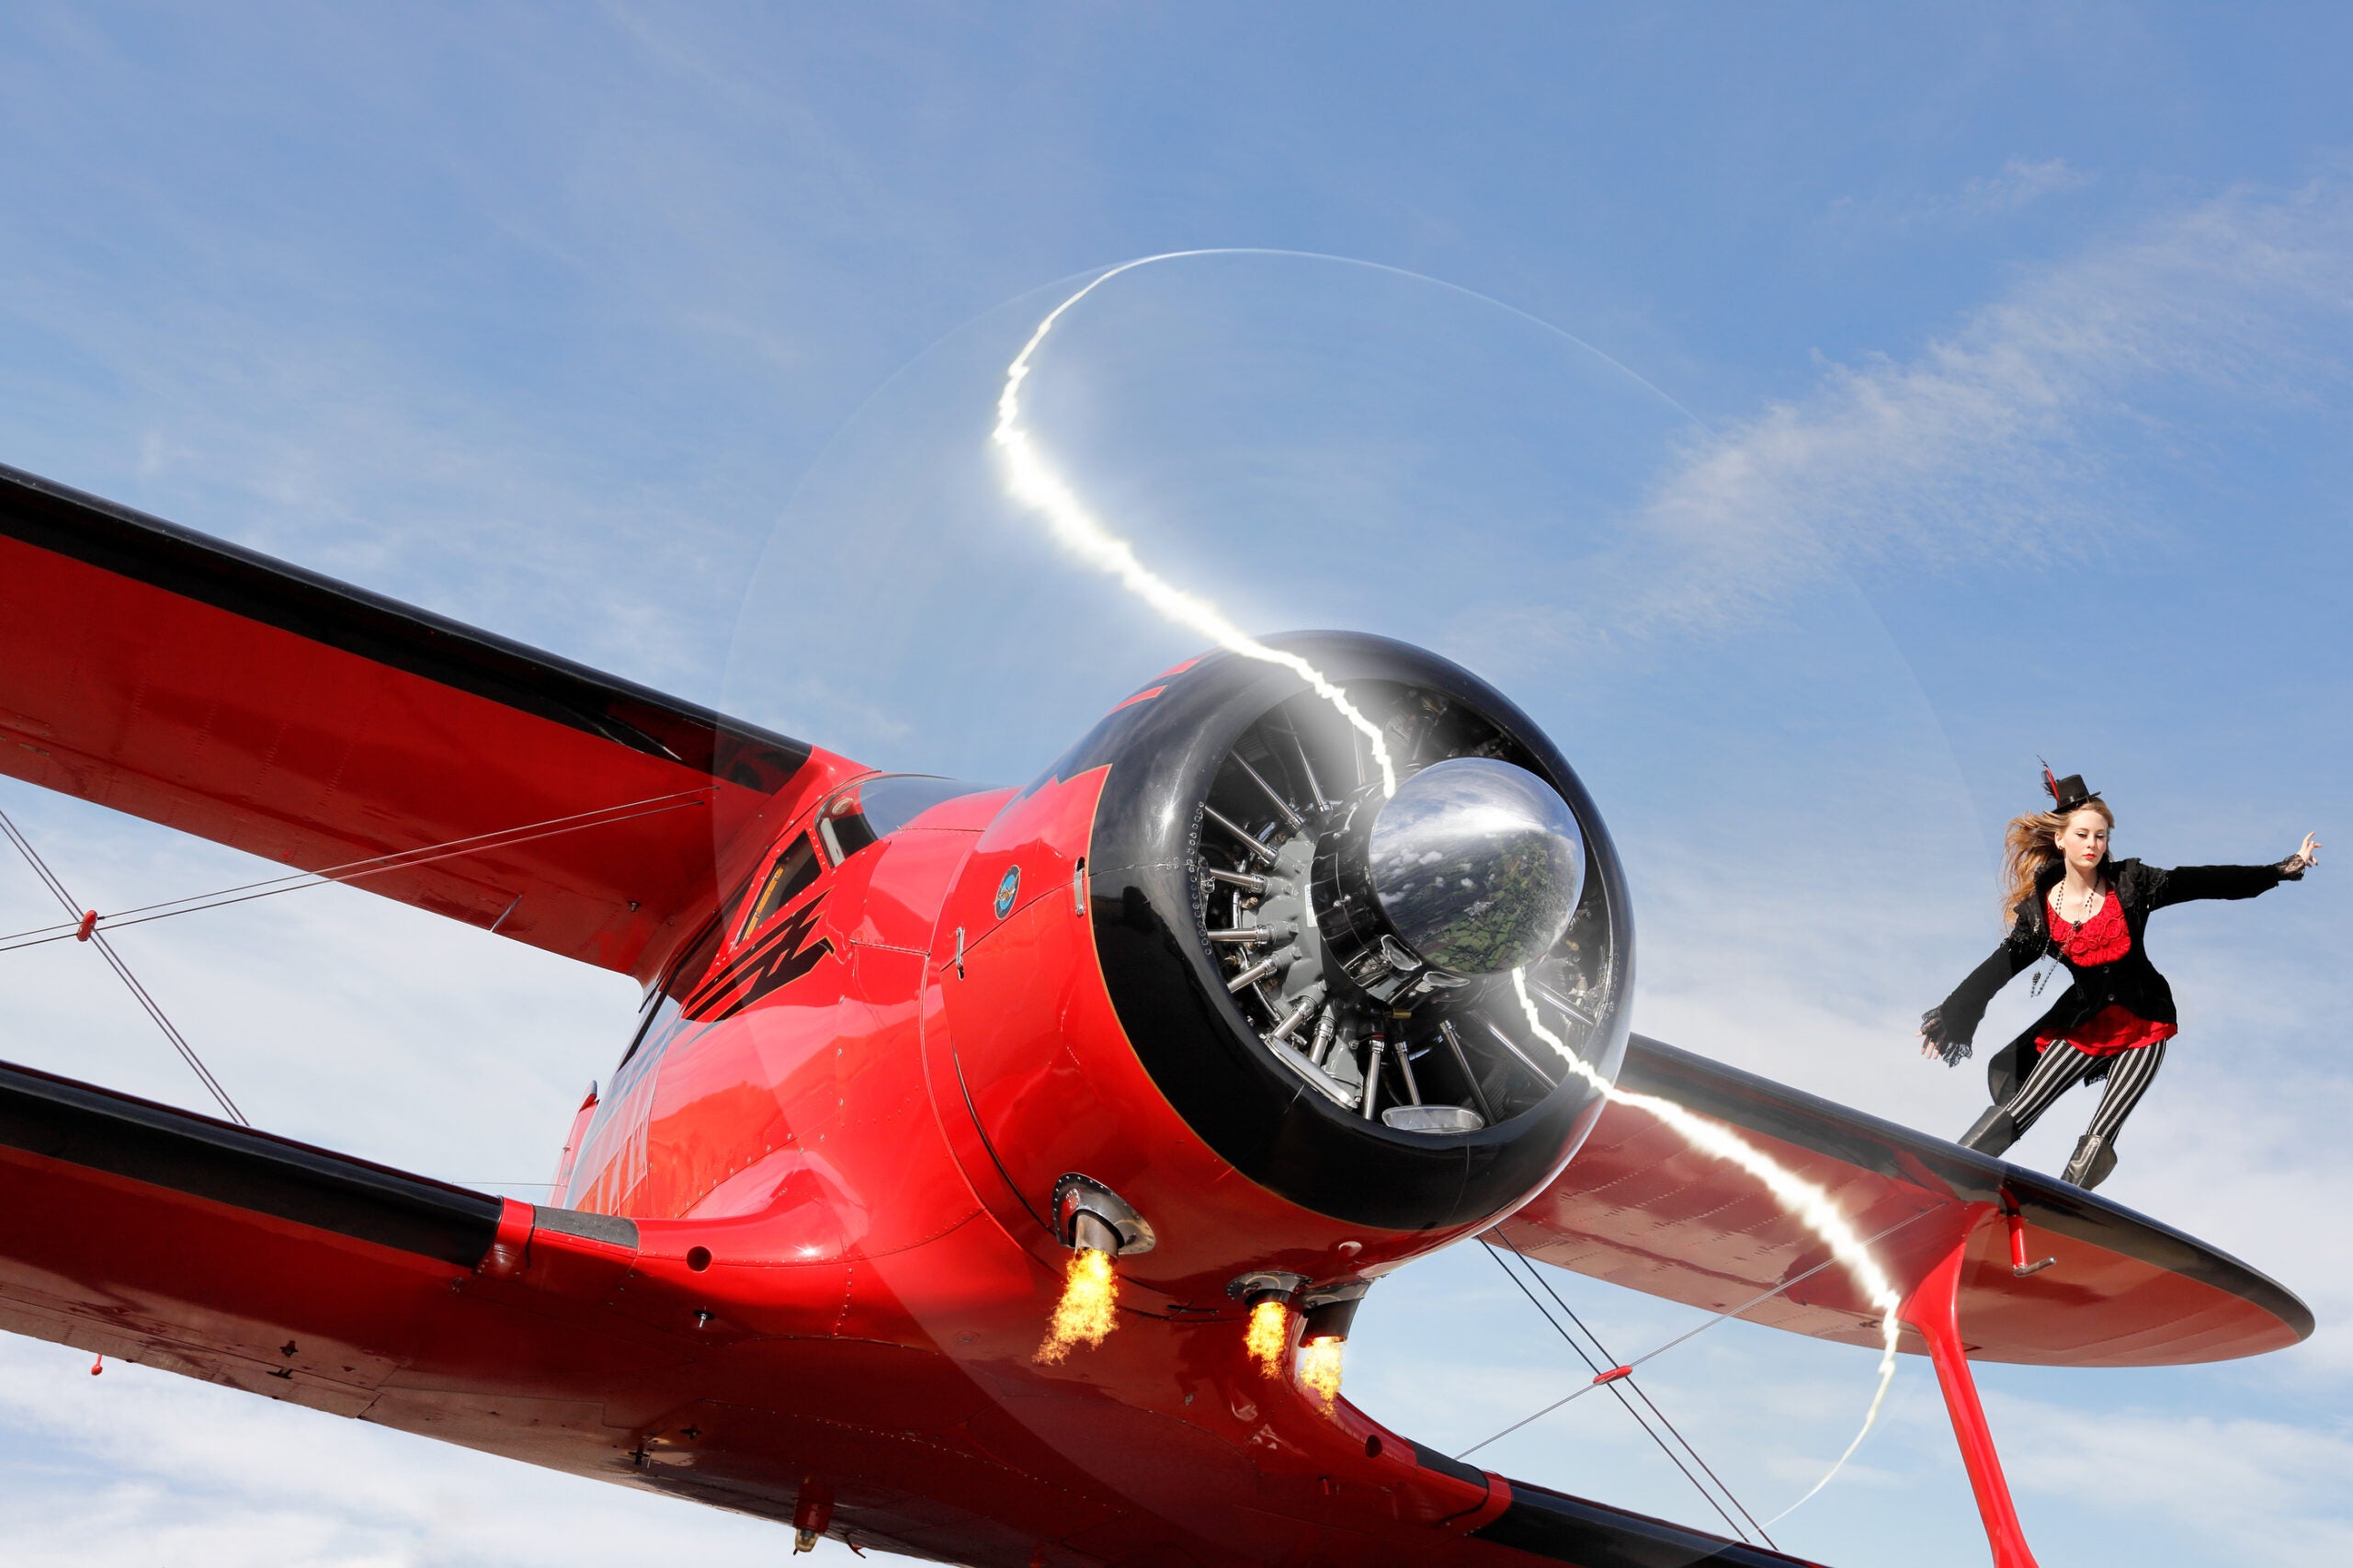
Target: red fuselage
x,y
851,1168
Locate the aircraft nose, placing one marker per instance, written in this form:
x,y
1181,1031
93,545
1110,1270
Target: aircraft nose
x,y
1477,865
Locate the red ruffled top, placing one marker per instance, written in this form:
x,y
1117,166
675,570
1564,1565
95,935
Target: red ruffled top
x,y
2103,939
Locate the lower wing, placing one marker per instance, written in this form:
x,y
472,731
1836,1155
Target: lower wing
x,y
1639,1207
565,1339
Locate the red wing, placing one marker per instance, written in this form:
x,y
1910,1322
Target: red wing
x,y
151,669
173,1241
152,1235
1639,1208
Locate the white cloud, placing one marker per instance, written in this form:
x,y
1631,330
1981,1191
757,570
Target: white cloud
x,y
2020,183
2266,1490
1980,198
2011,437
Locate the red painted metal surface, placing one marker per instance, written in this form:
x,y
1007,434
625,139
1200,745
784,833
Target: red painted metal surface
x,y
1639,1208
1932,1309
157,703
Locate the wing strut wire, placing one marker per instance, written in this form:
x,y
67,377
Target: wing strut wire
x,y
1625,1370
114,960
354,870
1610,1373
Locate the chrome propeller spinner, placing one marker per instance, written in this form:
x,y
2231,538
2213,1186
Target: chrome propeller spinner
x,y
1370,942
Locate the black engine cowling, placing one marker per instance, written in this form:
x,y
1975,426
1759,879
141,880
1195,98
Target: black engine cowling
x,y
1318,1015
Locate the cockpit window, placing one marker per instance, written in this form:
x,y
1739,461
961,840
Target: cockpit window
x,y
660,1009
873,809
791,876
844,830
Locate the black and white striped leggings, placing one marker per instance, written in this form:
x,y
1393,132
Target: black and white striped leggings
x,y
2063,1067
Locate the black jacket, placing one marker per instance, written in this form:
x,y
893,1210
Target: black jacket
x,y
2130,982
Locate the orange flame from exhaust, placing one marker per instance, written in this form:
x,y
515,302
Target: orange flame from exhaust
x,y
1319,1367
1269,1336
1083,1314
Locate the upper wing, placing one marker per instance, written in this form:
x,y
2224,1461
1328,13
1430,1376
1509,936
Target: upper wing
x,y
186,680
1639,1208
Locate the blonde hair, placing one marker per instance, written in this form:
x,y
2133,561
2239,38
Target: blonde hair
x,y
2032,844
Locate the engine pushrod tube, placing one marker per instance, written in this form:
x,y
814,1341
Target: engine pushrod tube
x,y
1299,1016
1462,1059
1513,1046
1239,833
1562,1003
1326,1029
1284,809
1251,976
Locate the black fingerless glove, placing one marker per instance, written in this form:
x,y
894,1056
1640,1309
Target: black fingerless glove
x,y
2292,868
1932,1029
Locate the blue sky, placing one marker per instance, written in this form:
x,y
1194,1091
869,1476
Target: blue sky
x,y
1920,393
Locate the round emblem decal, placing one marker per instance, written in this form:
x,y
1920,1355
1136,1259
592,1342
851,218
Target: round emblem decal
x,y
1006,890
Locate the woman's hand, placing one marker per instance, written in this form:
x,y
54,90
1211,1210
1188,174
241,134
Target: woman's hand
x,y
1932,1033
2309,855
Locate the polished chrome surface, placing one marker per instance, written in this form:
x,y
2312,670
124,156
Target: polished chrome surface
x,y
1251,976
1382,996
1283,809
1477,865
1432,1118
1241,836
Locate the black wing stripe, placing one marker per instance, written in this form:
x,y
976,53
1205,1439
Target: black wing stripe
x,y
96,1128
247,584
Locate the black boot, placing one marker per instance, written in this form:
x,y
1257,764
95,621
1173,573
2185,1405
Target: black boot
x,y
1991,1133
2095,1158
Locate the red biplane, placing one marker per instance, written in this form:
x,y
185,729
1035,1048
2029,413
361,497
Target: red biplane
x,y
1200,998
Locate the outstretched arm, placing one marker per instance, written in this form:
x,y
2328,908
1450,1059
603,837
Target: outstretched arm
x,y
2186,882
1947,1028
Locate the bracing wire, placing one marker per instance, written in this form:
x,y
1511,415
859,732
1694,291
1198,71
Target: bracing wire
x,y
356,871
1538,1275
1673,1458
114,961
1728,1313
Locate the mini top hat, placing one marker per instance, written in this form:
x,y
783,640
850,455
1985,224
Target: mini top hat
x,y
2067,794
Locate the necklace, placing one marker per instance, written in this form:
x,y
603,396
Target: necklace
x,y
2091,902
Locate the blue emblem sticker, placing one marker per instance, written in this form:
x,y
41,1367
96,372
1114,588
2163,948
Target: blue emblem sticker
x,y
1006,890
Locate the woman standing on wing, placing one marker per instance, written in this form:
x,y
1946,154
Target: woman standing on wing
x,y
2069,899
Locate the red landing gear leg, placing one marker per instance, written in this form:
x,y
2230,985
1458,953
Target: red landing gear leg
x,y
1932,1309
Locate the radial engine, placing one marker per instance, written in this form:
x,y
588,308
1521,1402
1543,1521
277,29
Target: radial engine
x,y
1222,1006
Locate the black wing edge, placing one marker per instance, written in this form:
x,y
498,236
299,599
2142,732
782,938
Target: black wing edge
x,y
80,1124
1544,1523
1746,1099
245,583
1554,1525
